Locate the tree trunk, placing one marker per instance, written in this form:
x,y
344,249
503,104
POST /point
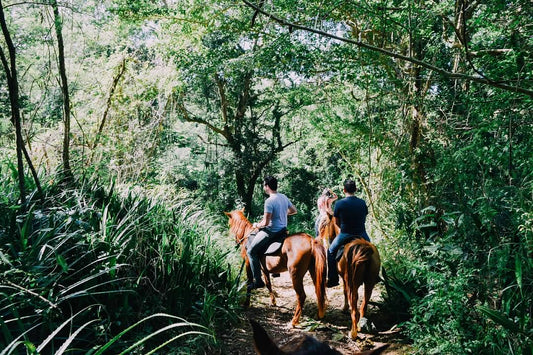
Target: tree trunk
x,y
12,83
67,172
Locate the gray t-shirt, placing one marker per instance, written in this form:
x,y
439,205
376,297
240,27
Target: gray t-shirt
x,y
278,205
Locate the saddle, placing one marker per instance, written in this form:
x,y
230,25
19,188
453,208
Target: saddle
x,y
276,244
273,248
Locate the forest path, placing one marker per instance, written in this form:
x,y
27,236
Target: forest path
x,y
332,329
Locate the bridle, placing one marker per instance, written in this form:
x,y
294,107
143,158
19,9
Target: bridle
x,y
245,235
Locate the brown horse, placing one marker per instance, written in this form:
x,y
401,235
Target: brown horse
x,y
300,253
360,263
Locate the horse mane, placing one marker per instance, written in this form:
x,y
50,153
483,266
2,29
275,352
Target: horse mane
x,y
327,228
240,226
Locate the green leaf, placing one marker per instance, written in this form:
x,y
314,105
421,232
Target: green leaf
x,y
518,270
30,347
500,318
4,259
62,262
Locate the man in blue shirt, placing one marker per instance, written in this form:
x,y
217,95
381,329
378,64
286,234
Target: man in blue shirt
x,y
271,227
350,215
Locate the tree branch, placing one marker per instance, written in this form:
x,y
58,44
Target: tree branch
x,y
116,79
187,117
223,100
360,44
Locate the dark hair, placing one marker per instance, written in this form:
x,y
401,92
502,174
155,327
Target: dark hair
x,y
349,186
272,182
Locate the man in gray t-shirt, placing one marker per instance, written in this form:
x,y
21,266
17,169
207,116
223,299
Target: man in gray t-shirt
x,y
274,223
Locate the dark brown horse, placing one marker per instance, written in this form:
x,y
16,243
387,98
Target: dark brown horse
x,y
301,345
300,253
360,263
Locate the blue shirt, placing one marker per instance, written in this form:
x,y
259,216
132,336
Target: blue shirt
x,y
277,205
351,211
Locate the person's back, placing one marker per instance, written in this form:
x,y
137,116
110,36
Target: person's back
x,y
351,211
278,205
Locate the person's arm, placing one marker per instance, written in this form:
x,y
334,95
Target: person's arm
x,y
330,201
264,222
336,216
292,210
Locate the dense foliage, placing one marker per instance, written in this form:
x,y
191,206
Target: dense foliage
x,y
88,264
427,104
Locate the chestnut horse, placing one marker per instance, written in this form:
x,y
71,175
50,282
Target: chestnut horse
x,y
300,253
360,263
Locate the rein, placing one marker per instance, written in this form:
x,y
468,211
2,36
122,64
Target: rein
x,y
239,241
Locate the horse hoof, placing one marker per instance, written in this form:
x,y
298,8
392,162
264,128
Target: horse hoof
x,y
366,326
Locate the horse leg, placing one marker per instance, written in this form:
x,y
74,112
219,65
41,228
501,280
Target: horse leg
x,y
345,291
298,285
369,286
269,287
354,311
370,280
250,279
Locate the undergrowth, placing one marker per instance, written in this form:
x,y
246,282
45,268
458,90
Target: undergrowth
x,y
91,270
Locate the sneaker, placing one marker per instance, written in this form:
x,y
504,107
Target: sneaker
x,y
332,283
257,284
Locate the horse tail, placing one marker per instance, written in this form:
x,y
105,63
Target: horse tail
x,y
358,253
319,260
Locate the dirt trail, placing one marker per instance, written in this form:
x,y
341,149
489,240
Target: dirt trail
x,y
333,329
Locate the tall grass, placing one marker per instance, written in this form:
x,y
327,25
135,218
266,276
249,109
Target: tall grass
x,y
88,270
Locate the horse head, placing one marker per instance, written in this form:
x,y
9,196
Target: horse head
x,y
302,345
328,229
239,225
264,345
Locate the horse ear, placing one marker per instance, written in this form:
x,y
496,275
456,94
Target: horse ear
x,y
242,209
263,344
227,214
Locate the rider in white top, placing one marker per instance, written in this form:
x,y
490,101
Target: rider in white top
x,y
273,225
